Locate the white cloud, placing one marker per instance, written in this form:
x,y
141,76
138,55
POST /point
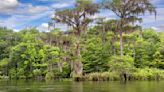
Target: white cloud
x,y
16,30
159,16
62,5
48,0
63,27
30,9
104,14
43,27
149,20
158,28
45,0
8,5
22,20
155,1
23,14
12,7
154,28
26,9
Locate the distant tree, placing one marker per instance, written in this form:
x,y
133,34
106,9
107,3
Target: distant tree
x,y
78,18
128,12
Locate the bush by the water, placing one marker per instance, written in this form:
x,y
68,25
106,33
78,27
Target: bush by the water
x,y
137,74
104,76
148,74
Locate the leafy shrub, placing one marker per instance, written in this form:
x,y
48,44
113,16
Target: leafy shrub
x,y
4,77
119,64
104,76
49,76
12,73
148,74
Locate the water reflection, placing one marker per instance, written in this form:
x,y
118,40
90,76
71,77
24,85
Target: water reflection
x,y
77,87
54,86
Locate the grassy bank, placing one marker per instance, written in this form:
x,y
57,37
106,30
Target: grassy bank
x,y
137,74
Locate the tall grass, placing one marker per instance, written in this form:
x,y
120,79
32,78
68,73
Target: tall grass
x,y
148,74
104,76
138,74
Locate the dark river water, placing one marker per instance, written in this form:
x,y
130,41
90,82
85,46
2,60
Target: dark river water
x,y
53,86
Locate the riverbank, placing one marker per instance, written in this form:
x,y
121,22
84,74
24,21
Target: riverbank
x,y
139,74
131,75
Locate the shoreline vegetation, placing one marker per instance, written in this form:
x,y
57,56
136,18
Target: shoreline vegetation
x,y
147,74
113,49
113,68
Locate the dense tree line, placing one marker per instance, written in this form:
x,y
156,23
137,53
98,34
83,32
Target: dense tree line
x,y
110,48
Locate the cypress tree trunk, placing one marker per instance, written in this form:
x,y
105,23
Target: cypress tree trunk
x,y
121,44
78,66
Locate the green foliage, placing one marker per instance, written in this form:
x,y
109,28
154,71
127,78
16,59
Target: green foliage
x,y
65,71
148,74
37,72
32,54
4,62
104,76
151,36
158,61
95,52
137,74
29,57
13,74
124,64
49,76
146,48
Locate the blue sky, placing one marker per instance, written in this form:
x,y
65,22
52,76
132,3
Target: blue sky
x,y
19,14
